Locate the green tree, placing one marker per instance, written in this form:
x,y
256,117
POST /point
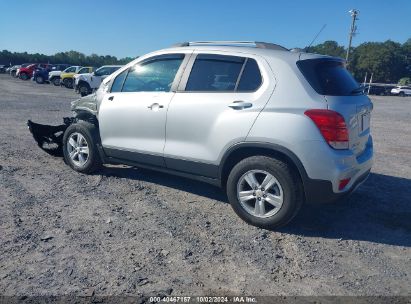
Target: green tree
x,y
330,48
385,60
70,57
404,81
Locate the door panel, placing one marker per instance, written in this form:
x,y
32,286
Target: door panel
x,y
135,122
132,118
201,125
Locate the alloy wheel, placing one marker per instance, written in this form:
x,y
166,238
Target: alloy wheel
x,y
78,150
260,193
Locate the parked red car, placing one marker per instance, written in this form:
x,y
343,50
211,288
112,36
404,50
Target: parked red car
x,y
27,72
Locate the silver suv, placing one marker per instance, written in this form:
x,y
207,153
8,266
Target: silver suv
x,y
275,128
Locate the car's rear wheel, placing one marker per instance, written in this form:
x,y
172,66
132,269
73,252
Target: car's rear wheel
x,y
39,79
264,191
80,147
401,94
24,76
68,83
13,73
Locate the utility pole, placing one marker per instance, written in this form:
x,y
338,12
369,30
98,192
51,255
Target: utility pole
x,y
354,14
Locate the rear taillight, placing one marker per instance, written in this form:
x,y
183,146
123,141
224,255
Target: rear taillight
x,y
332,127
343,183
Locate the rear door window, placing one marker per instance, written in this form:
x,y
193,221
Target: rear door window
x,y
214,73
250,78
329,77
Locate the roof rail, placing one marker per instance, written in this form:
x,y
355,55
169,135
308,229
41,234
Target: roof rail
x,y
256,44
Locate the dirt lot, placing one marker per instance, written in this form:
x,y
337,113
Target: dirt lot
x,y
129,231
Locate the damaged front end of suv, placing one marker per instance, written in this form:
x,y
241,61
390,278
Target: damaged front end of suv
x,y
50,138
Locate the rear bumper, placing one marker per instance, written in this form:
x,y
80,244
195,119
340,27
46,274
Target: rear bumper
x,y
355,168
321,191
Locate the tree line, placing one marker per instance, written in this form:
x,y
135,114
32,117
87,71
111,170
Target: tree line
x,y
70,57
388,62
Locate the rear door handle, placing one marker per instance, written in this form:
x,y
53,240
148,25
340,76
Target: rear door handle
x,y
239,105
111,98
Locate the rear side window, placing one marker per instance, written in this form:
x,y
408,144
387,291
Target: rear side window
x,y
214,73
329,77
250,78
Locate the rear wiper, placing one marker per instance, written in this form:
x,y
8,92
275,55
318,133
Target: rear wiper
x,y
358,90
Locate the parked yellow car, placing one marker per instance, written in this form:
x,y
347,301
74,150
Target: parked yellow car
x,y
66,77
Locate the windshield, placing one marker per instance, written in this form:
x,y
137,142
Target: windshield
x,y
329,77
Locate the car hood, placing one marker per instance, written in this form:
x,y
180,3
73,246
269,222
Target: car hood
x,y
87,103
83,76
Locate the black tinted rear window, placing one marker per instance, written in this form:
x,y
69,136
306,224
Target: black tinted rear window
x,y
251,77
329,77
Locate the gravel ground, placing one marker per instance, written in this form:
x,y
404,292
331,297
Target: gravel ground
x,y
127,231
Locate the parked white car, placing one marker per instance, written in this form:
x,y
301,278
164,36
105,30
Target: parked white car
x,y
401,91
87,83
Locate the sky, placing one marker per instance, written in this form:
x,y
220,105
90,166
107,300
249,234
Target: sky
x,y
131,28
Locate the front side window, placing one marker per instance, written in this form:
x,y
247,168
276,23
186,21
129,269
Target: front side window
x,y
118,82
214,73
70,70
154,75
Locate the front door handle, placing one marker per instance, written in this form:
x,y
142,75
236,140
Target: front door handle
x,y
239,105
155,107
111,98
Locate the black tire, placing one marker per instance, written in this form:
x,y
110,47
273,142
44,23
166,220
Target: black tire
x,y
90,133
401,94
13,74
290,182
84,89
24,76
55,81
39,79
68,83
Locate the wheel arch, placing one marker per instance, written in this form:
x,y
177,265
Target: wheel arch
x,y
241,151
86,116
84,82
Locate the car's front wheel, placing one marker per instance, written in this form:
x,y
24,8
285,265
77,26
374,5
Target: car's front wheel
x,y
80,147
264,191
401,94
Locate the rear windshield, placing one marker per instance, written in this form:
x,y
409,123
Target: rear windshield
x,y
329,77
